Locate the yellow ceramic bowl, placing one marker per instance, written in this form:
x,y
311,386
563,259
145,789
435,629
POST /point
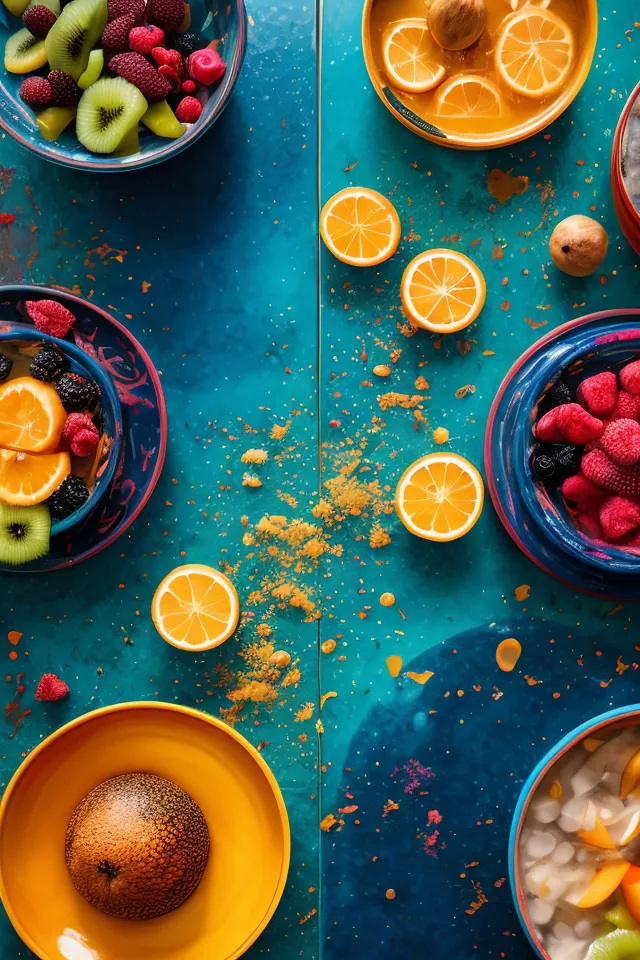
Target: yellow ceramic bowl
x,y
239,797
522,117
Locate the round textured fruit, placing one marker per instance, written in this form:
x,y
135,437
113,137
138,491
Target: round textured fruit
x,y
137,846
442,291
457,24
360,227
578,245
440,497
195,608
27,478
412,60
534,52
31,416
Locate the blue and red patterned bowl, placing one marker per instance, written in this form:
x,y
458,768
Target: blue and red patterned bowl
x,y
536,519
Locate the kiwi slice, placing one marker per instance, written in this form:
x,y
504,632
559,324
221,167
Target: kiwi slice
x,y
74,35
94,69
54,120
24,533
24,53
161,119
129,145
108,110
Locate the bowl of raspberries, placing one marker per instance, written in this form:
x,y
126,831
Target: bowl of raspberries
x,y
60,431
562,453
108,85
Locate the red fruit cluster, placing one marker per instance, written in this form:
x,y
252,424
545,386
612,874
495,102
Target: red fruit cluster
x,y
81,434
38,20
137,70
50,317
144,39
206,66
51,688
35,91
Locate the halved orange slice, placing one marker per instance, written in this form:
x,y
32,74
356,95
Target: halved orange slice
x,y
27,479
412,59
360,227
534,52
466,96
442,291
440,497
195,607
31,416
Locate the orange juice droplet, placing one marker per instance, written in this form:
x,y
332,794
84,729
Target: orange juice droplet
x,y
508,654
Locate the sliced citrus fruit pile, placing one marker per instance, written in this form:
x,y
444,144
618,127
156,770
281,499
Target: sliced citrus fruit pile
x,y
442,291
412,59
27,479
440,497
469,97
195,607
31,416
534,52
360,227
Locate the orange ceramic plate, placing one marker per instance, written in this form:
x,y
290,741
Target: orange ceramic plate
x,y
226,776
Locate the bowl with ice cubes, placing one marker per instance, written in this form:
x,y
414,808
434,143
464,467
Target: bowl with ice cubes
x,y
574,848
625,170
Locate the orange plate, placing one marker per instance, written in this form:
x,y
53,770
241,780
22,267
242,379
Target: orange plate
x,y
238,794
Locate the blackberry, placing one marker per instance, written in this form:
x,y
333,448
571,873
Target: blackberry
x,y
76,393
70,496
544,466
567,460
186,43
558,394
49,364
6,366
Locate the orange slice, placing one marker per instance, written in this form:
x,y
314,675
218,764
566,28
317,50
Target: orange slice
x,y
195,608
412,59
606,881
440,497
360,227
31,416
27,479
442,291
535,52
519,4
469,97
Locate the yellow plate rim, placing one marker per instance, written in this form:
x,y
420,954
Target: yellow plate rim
x,y
174,708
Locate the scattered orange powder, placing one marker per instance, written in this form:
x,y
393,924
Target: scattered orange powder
x,y
404,400
328,646
420,678
378,537
250,480
305,713
279,432
254,456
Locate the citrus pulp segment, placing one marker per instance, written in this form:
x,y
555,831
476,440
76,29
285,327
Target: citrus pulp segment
x,y
27,479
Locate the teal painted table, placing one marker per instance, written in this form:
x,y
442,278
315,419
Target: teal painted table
x,y
262,346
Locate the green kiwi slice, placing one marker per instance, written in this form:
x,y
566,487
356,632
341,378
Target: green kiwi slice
x,y
94,69
107,111
24,533
24,53
619,945
74,35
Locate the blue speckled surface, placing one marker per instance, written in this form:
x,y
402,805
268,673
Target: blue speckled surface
x,y
230,319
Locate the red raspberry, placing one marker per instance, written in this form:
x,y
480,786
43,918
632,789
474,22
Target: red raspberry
x,y
169,58
171,76
188,86
618,517
38,20
581,493
627,407
630,377
50,317
589,523
138,71
598,467
206,66
65,92
115,36
189,110
621,440
81,434
167,14
569,423
123,8
51,688
144,39
35,91
599,393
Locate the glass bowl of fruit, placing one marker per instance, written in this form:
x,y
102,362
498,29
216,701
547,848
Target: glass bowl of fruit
x,y
574,847
562,453
60,438
108,85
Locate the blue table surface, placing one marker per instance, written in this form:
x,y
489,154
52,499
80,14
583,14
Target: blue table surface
x,y
212,260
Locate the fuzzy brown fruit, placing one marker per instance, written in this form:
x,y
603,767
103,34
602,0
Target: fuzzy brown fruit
x,y
578,245
457,24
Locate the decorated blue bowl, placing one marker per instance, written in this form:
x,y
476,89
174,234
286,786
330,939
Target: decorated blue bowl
x,y
612,720
225,22
536,518
106,460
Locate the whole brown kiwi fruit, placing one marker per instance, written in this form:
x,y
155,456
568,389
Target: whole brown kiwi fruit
x,y
578,245
457,24
137,846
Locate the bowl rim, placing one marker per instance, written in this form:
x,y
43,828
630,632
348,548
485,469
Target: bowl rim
x,y
457,141
172,147
23,331
525,796
12,288
174,708
617,180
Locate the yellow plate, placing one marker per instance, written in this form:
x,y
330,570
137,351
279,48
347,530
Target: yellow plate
x,y
226,776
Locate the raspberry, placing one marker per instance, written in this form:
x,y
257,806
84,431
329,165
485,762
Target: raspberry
x,y
171,76
168,58
69,497
627,407
621,440
50,317
138,71
123,8
625,481
589,523
581,493
65,92
144,39
188,86
51,688
81,434
630,377
599,393
618,517
206,66
76,393
569,423
115,36
38,20
35,91
48,364
189,110
167,14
